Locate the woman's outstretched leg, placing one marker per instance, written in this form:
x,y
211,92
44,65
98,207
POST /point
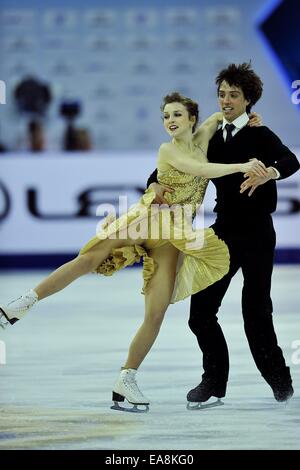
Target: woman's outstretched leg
x,y
60,278
65,274
157,300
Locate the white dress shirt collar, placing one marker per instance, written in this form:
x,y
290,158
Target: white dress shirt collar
x,y
239,122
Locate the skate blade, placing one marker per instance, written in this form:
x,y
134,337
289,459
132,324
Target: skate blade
x,y
134,409
201,406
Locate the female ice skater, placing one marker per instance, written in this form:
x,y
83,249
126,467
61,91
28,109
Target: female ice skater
x,y
177,260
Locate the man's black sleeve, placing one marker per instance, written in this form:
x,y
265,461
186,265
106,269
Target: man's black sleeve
x,y
278,155
152,178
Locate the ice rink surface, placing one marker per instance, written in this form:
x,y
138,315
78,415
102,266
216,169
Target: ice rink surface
x,y
63,359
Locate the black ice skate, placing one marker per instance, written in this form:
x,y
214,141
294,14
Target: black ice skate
x,y
283,392
281,384
198,396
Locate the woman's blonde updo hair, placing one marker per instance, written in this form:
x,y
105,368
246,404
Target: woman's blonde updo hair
x,y
190,105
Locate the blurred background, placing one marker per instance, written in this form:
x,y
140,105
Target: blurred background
x,y
81,88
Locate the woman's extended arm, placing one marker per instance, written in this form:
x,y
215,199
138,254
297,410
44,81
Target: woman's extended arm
x,y
172,155
204,133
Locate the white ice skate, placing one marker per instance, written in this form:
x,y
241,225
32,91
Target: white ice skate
x,y
126,387
17,309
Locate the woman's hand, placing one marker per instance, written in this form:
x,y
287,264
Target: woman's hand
x,y
255,120
159,193
254,166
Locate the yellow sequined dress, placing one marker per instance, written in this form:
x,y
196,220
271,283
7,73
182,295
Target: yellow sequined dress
x,y
203,257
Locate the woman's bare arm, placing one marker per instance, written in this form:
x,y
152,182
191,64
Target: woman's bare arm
x,y
204,133
188,163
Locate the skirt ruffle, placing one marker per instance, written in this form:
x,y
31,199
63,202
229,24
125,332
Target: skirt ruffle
x,y
200,263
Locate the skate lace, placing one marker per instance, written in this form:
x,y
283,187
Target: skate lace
x,y
131,384
26,301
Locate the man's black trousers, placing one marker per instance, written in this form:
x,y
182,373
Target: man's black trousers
x,y
251,242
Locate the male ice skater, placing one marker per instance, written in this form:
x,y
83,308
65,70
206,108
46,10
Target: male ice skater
x,y
245,224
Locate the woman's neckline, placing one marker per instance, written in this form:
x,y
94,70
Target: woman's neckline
x,y
183,148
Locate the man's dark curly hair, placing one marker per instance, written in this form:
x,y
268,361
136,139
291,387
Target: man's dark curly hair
x,y
190,105
244,77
